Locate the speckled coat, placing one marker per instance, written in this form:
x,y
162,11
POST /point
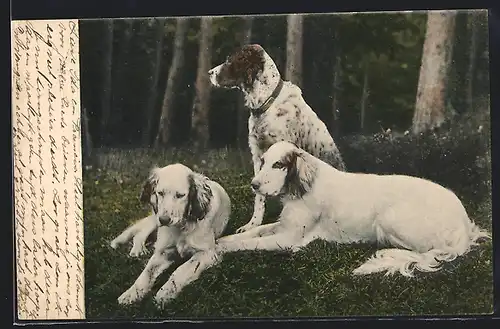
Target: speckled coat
x,y
287,118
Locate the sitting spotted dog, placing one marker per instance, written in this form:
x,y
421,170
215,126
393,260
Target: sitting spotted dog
x,y
278,112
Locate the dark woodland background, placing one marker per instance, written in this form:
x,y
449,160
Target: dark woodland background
x,y
358,72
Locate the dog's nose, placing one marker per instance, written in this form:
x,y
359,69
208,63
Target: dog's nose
x,y
255,185
210,72
164,221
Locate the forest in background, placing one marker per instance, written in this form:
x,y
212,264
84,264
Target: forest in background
x,y
144,80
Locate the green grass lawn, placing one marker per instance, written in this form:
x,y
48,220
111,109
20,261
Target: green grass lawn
x,y
316,281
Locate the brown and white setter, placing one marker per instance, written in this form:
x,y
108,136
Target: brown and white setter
x,y
278,112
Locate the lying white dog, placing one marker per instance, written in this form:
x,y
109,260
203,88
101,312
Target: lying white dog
x,y
190,212
426,222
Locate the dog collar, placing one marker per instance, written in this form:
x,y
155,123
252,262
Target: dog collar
x,y
258,111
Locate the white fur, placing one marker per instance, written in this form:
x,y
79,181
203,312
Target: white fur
x,y
179,237
289,118
138,233
424,222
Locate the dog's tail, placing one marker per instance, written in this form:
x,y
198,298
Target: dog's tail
x,y
404,261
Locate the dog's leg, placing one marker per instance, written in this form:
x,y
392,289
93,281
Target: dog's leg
x,y
186,274
162,258
259,200
139,240
261,230
130,232
279,241
258,213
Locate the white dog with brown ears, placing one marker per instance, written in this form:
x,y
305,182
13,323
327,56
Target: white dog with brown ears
x,y
424,222
190,212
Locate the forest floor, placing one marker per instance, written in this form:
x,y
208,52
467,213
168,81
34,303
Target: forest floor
x,y
316,281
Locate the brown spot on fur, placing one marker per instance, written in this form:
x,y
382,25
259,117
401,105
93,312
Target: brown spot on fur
x,y
281,112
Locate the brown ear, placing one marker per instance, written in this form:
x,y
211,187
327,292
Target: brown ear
x,y
147,190
147,193
199,196
300,175
252,61
249,77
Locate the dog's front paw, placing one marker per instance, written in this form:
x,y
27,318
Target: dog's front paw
x,y
138,250
129,297
116,242
246,227
165,295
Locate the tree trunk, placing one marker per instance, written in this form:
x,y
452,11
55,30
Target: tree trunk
x,y
471,69
430,110
364,98
153,91
294,44
88,155
163,135
119,88
337,85
107,61
200,120
242,126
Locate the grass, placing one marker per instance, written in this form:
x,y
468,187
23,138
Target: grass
x,y
316,281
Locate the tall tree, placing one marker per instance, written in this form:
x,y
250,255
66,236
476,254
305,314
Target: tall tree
x,y
199,119
242,128
364,96
88,154
337,82
107,60
294,45
163,135
472,24
153,89
430,107
114,115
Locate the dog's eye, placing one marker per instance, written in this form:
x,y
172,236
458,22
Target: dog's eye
x,y
161,193
278,165
179,195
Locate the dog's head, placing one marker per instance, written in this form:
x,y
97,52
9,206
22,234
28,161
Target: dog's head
x,y
242,68
177,195
284,171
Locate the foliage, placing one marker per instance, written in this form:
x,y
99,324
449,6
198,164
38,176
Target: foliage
x,y
458,151
316,281
389,43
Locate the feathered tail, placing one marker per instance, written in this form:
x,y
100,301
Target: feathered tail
x,y
404,261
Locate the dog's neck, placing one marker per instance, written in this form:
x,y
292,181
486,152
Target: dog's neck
x,y
264,86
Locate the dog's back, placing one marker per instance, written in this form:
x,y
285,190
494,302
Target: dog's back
x,y
293,120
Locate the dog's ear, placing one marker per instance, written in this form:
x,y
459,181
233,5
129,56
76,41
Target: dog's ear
x,y
147,193
300,174
199,197
254,65
249,62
